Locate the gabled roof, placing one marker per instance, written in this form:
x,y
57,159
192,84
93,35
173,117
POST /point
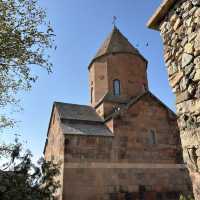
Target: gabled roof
x,y
81,120
108,97
148,93
85,128
160,13
77,112
134,100
116,42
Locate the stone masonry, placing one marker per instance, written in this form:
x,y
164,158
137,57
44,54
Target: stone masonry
x,y
179,25
126,144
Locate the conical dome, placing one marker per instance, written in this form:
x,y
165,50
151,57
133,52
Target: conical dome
x,y
116,43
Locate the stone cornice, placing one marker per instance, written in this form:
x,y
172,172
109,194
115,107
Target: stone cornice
x,y
122,165
160,13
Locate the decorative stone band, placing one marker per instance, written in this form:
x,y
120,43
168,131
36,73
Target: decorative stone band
x,y
102,165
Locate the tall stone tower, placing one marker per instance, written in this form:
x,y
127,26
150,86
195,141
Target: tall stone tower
x,y
117,73
179,24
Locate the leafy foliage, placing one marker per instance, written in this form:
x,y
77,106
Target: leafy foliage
x,y
182,197
21,179
25,37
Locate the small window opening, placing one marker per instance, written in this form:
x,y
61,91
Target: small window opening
x,y
152,138
116,87
91,95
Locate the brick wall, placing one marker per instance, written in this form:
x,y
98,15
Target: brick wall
x,y
54,149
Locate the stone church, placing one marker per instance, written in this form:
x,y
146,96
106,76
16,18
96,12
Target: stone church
x,y
126,144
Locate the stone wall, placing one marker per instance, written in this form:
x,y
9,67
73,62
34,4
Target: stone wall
x,y
54,148
128,68
180,31
135,125
101,181
117,168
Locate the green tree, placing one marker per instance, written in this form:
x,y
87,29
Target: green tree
x,y
20,179
25,38
182,197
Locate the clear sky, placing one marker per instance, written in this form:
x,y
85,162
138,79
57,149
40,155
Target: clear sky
x,y
81,26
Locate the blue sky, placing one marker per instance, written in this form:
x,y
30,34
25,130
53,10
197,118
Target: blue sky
x,y
81,26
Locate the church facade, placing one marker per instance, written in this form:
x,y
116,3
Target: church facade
x,y
126,144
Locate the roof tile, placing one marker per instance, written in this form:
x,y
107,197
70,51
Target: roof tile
x,y
77,112
83,128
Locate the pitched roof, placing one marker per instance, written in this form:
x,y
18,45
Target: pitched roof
x,y
134,100
108,97
116,43
77,112
81,120
83,128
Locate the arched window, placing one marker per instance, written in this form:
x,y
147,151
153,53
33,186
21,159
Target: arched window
x,y
91,95
116,87
152,137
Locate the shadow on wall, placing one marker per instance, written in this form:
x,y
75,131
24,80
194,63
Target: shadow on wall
x,y
145,193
